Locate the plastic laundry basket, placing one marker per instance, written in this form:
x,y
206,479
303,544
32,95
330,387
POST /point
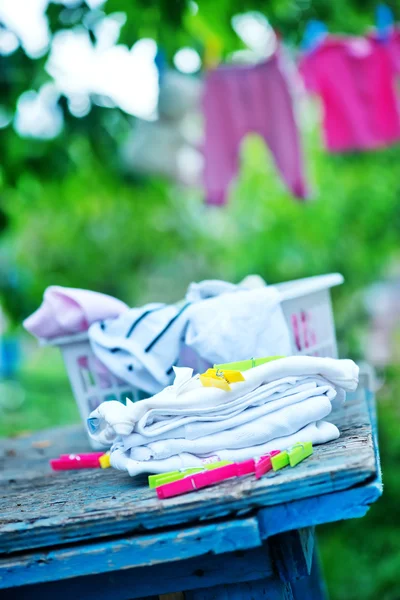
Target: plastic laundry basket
x,y
307,307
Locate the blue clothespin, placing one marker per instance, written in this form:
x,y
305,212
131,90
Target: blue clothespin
x,y
314,34
384,21
160,60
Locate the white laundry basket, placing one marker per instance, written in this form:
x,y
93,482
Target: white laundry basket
x,y
306,305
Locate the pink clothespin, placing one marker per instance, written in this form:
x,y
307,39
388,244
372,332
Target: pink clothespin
x,y
246,467
205,479
83,455
71,462
196,481
264,464
176,488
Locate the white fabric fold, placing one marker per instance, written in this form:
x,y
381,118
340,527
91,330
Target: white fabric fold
x,y
279,403
197,429
239,325
209,288
317,433
187,401
133,348
261,430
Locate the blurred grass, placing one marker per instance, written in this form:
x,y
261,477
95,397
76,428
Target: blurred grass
x,y
361,557
47,399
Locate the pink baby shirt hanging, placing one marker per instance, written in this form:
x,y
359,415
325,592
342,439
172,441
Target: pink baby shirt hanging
x,y
242,99
355,80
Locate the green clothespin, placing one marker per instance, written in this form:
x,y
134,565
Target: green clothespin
x,y
216,465
152,479
280,460
245,365
299,452
162,478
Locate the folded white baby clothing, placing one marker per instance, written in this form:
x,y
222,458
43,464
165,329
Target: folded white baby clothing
x,y
65,311
317,433
220,323
279,403
283,422
188,401
201,428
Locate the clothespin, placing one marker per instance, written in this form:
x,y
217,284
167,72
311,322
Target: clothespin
x,y
89,460
299,452
245,365
384,21
83,455
220,378
104,461
279,461
314,34
204,479
245,467
264,464
217,465
160,60
230,375
218,382
162,478
196,481
75,461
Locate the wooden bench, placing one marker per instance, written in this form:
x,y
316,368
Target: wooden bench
x,y
100,534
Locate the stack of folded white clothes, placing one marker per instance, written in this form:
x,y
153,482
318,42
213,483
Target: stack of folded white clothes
x,y
277,404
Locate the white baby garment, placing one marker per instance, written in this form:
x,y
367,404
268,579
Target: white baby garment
x,y
196,429
141,345
239,325
317,433
209,288
283,422
188,401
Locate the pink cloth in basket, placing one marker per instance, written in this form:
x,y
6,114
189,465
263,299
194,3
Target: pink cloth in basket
x,y
65,311
355,79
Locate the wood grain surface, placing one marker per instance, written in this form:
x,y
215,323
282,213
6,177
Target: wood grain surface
x,y
41,508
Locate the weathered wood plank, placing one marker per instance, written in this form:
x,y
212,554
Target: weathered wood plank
x,y
138,551
348,504
269,590
292,553
40,508
200,572
313,586
272,520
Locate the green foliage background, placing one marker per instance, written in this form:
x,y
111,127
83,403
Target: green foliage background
x,y
70,216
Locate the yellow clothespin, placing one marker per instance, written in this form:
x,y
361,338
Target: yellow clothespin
x,y
230,375
218,382
105,461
